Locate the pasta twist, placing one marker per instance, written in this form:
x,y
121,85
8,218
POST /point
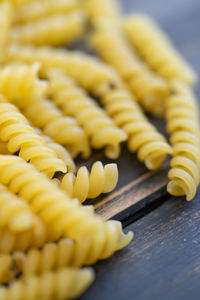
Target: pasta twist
x,y
150,89
5,26
15,129
156,48
62,129
64,284
143,138
66,252
36,10
183,127
98,126
64,29
62,215
89,72
21,81
84,185
15,214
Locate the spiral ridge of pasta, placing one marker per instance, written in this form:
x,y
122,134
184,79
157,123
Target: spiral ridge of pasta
x,y
64,29
75,102
63,215
63,284
20,136
88,71
36,10
156,48
62,129
66,252
110,44
14,212
21,81
5,27
102,179
183,127
143,138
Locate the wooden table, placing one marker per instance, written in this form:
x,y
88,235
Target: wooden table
x,y
163,261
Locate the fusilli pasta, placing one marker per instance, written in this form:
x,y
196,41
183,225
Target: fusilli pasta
x,y
63,29
64,284
102,179
156,48
20,136
183,127
74,101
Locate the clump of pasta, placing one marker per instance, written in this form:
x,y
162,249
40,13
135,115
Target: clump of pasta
x,y
73,101
67,283
5,27
183,127
35,10
109,43
157,49
64,29
22,138
101,179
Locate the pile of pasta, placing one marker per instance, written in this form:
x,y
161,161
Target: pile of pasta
x,y
57,104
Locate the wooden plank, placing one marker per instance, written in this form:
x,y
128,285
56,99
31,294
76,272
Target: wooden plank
x,y
162,262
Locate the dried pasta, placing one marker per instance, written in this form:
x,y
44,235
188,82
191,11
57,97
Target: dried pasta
x,y
102,179
156,48
20,81
183,127
22,138
5,27
15,214
110,44
66,283
35,10
64,29
73,101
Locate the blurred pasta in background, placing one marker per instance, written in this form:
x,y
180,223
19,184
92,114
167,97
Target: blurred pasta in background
x,y
59,104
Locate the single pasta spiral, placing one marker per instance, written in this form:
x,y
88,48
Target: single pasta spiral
x,y
74,102
61,214
102,179
64,284
62,129
110,44
143,138
156,48
183,127
5,26
21,81
15,214
66,252
20,136
88,71
36,10
64,28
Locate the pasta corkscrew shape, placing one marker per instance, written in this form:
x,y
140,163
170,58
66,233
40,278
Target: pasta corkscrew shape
x,y
183,127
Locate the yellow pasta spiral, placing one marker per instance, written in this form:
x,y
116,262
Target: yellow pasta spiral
x,y
62,129
88,71
64,284
183,127
20,81
69,253
20,136
38,9
61,214
102,179
110,44
156,48
5,26
143,138
74,101
63,29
